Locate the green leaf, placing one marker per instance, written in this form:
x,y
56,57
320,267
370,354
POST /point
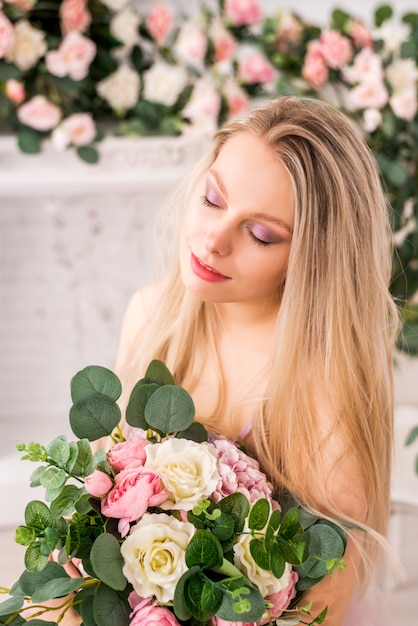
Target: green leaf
x,y
259,553
11,605
94,417
29,141
86,606
88,154
277,560
226,610
382,13
204,550
259,514
57,588
324,543
38,515
25,536
135,411
53,480
211,597
237,506
169,409
8,70
159,373
193,591
290,523
59,450
272,526
110,607
30,581
412,436
83,465
107,561
35,478
95,379
64,504
179,604
35,561
223,527
196,432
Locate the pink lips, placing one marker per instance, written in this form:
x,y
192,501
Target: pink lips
x,y
205,272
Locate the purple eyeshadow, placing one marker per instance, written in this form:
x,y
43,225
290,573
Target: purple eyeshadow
x,y
262,233
213,197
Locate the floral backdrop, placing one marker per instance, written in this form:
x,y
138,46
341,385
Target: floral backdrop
x,y
72,71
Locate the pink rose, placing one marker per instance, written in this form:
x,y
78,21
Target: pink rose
x,y
204,104
237,99
191,45
241,12
289,29
335,48
78,129
159,22
223,41
372,118
314,69
147,614
15,91
39,113
280,600
369,94
73,57
135,490
404,104
7,35
360,34
127,454
239,472
74,16
253,67
367,65
98,484
217,621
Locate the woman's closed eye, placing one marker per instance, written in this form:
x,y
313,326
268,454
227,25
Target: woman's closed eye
x,y
261,235
206,202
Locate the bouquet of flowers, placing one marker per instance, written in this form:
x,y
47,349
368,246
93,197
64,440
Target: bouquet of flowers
x,y
172,525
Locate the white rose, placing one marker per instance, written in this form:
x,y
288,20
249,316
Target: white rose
x,y
164,83
154,555
393,34
29,46
124,26
120,89
402,75
188,470
115,5
372,118
266,582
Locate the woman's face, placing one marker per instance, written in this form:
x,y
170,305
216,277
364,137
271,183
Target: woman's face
x,y
238,224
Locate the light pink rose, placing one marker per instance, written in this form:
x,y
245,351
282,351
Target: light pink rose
x,y
336,49
237,99
74,15
127,454
39,113
191,45
367,65
254,68
369,94
204,104
73,57
280,600
372,118
98,484
289,29
360,34
239,472
15,91
217,621
135,490
7,34
148,614
223,41
404,104
159,22
314,69
78,129
243,12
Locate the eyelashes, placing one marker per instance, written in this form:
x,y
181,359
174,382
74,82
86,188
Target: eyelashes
x,y
259,242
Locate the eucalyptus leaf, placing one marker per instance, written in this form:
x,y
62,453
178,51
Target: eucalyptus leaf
x,y
94,417
135,411
11,605
259,514
29,141
223,527
59,450
53,480
89,154
170,409
290,523
93,380
211,597
277,560
110,607
24,535
193,591
179,603
196,432
107,561
226,610
158,372
86,606
57,588
237,506
259,553
64,504
83,465
35,478
30,581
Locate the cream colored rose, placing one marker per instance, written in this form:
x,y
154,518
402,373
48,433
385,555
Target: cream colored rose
x,y
124,26
120,89
29,46
265,580
188,469
402,75
163,83
154,555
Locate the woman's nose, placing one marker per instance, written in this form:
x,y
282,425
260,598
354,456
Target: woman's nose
x,y
217,239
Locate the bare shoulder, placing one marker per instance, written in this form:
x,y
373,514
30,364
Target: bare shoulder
x,y
140,310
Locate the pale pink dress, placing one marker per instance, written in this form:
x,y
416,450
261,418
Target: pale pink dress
x,y
369,610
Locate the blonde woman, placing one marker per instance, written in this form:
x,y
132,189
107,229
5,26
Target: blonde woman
x,y
275,315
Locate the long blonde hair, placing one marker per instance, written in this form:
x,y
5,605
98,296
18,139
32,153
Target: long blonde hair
x,y
337,322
